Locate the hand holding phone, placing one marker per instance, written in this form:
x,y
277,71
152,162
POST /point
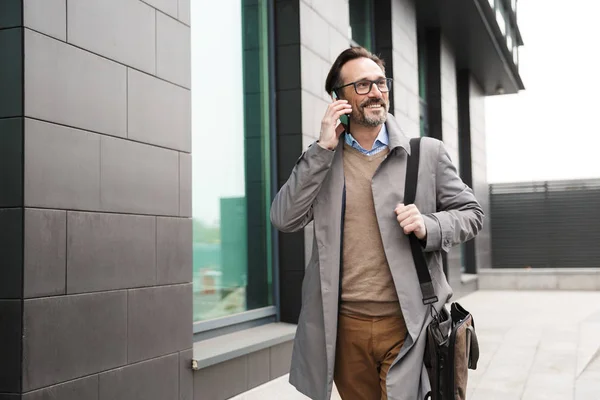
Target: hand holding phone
x,y
329,136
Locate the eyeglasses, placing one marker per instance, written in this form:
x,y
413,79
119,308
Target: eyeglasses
x,y
364,85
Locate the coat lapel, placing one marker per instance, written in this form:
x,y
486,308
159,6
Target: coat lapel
x,y
328,220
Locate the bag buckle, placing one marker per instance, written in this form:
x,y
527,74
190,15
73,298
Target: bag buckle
x,y
430,300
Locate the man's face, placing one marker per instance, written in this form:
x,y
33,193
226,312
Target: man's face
x,y
368,109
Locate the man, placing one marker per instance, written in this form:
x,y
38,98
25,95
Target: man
x,y
362,321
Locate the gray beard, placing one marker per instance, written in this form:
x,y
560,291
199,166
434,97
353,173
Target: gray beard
x,y
360,118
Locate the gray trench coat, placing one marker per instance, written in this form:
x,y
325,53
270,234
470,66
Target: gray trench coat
x,y
313,192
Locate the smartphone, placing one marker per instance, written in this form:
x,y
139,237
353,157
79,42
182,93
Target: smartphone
x,y
344,119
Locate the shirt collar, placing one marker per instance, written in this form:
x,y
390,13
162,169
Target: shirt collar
x,y
383,138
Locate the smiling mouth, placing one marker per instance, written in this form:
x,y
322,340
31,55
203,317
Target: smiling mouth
x,y
374,107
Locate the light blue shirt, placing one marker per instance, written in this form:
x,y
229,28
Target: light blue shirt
x,y
380,144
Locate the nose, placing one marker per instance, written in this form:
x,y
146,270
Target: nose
x,y
375,92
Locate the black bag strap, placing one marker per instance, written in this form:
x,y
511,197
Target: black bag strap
x,y
410,191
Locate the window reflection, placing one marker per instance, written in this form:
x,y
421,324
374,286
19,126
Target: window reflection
x,y
230,158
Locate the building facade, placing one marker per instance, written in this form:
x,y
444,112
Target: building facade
x,y
141,143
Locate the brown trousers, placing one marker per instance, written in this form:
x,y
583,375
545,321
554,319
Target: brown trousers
x,y
366,348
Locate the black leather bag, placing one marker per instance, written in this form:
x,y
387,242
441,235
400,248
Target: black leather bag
x,y
452,348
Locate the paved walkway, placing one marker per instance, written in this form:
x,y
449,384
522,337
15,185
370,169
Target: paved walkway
x,y
534,346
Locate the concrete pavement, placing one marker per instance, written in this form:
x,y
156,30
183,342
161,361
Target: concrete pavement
x,y
534,345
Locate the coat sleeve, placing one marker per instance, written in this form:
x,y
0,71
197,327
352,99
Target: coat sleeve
x,y
459,216
292,207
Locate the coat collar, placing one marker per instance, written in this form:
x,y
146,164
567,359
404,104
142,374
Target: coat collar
x,y
397,137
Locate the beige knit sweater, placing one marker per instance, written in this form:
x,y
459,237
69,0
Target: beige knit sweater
x,y
367,283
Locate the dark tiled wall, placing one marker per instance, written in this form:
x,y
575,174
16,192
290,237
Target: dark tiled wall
x,y
230,378
11,198
95,214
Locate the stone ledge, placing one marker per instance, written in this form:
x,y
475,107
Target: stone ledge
x,y
226,347
539,279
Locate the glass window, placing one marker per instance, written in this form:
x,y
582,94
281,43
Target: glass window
x,y
501,21
361,23
231,162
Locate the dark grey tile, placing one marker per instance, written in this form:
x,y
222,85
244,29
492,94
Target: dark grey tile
x,y
10,396
157,379
221,381
258,368
174,250
48,16
73,87
110,251
130,39
186,375
11,162
45,260
10,346
154,327
11,253
62,167
159,112
185,185
281,358
184,11
288,67
166,6
10,13
79,389
289,112
71,336
173,51
11,72
287,14
138,178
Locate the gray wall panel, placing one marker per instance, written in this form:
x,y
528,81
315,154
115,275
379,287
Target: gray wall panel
x,y
137,178
45,259
70,86
79,389
167,6
71,336
221,381
62,167
129,40
186,375
173,51
184,11
154,328
46,16
185,185
110,251
173,250
150,380
159,112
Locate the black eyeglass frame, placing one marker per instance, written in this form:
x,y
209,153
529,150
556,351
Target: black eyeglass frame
x,y
389,82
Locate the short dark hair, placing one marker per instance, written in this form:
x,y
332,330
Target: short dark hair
x,y
334,79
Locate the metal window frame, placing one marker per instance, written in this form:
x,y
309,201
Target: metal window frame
x,y
240,321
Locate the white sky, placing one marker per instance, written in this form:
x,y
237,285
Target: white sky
x,y
551,130
217,107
